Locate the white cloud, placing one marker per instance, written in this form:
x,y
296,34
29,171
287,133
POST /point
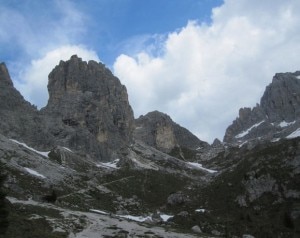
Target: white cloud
x,y
207,72
33,31
34,79
41,39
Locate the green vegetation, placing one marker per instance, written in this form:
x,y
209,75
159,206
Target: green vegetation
x,y
23,222
270,214
150,186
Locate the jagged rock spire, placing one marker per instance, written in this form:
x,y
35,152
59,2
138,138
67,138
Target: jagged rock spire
x,y
4,76
91,103
277,115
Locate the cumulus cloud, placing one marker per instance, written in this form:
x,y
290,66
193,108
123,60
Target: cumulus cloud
x,y
41,34
207,72
34,79
34,29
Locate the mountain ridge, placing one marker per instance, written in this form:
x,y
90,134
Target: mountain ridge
x,y
86,152
277,115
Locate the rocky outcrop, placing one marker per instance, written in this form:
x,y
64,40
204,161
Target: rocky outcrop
x,y
89,107
158,130
88,118
256,183
87,111
18,118
177,198
281,99
277,115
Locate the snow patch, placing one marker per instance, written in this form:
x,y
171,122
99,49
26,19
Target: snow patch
x,y
245,142
165,217
67,149
112,164
135,218
33,172
45,154
200,210
295,134
242,134
285,124
199,166
99,211
298,77
275,139
145,164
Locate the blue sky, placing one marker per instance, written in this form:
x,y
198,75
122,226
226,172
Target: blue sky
x,y
109,27
197,60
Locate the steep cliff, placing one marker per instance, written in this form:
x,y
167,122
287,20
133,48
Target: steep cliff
x,y
276,117
18,118
88,111
85,150
160,131
88,108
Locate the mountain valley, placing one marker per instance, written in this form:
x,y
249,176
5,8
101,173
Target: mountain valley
x,y
83,166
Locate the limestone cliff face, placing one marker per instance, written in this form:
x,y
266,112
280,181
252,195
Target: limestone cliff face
x,y
277,115
165,138
158,130
281,100
18,118
10,98
90,107
88,111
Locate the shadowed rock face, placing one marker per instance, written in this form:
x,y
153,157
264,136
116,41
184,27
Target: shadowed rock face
x,y
10,98
92,105
158,130
15,112
276,116
281,99
88,111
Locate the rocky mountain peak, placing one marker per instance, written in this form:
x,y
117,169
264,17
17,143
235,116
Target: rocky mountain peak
x,y
281,99
90,103
10,98
157,129
15,111
277,115
87,111
4,76
80,77
78,154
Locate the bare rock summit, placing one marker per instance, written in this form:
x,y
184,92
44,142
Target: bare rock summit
x,y
158,130
87,111
91,107
276,117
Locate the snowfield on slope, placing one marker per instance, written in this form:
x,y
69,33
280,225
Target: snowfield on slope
x,y
285,124
242,134
45,154
112,165
35,173
199,166
294,134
